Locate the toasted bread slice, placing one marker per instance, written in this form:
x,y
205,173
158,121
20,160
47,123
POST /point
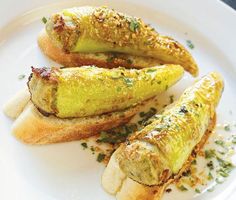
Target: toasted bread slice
x,y
32,127
109,60
115,182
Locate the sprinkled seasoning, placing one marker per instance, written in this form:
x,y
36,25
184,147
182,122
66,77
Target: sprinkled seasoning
x,y
151,70
146,116
168,190
100,157
128,81
183,109
117,135
190,44
22,76
134,25
197,190
171,98
84,145
227,127
182,188
210,165
220,143
210,153
44,20
210,176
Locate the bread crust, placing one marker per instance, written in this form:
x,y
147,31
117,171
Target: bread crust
x,y
105,60
115,182
34,128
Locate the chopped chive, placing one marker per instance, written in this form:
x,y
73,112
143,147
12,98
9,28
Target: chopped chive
x,y
220,143
171,98
168,190
100,157
190,44
197,190
209,153
44,20
227,127
134,25
210,165
151,70
128,81
182,188
84,144
209,177
21,76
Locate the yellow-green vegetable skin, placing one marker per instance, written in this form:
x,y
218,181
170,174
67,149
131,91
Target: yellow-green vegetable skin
x,y
91,30
157,152
87,91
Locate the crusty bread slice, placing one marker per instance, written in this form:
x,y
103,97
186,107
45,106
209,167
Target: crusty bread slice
x,y
34,128
108,60
115,182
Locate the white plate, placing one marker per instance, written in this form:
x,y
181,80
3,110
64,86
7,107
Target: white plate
x,y
65,171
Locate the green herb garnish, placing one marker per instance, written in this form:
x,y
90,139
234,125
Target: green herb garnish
x,y
147,115
223,173
44,20
194,162
168,190
210,153
84,144
22,76
210,165
117,135
197,190
171,98
190,44
209,177
134,25
227,127
100,157
128,81
151,70
220,143
182,188
233,139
